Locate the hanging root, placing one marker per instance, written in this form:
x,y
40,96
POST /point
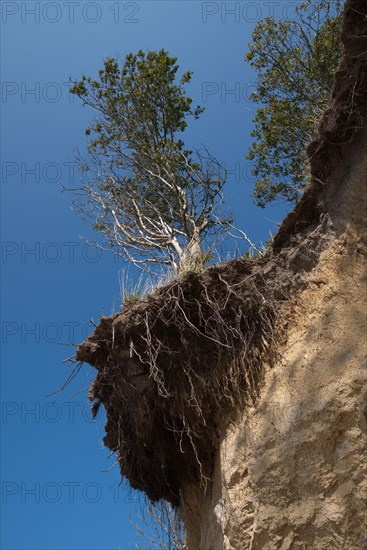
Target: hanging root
x,y
170,366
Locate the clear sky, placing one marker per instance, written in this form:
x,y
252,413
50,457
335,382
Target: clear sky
x,y
57,492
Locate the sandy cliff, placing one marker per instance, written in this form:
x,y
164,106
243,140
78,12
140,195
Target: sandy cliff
x,y
291,471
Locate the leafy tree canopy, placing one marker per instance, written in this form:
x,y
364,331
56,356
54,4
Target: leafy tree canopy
x,y
295,60
152,199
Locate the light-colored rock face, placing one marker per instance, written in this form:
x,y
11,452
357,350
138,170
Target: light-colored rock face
x,y
292,472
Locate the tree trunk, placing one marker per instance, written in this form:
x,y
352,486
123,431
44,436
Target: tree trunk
x,y
192,257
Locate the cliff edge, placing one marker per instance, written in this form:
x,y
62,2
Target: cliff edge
x,y
240,394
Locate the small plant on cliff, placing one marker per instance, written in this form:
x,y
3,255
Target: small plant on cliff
x,y
295,59
153,200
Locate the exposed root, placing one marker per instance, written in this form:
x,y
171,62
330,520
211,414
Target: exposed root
x,y
171,366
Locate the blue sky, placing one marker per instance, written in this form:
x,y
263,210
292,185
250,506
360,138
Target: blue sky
x,y
56,490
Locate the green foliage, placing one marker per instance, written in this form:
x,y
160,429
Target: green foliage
x,y
141,102
141,108
295,60
150,197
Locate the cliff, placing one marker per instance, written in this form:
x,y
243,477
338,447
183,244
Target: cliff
x,y
240,394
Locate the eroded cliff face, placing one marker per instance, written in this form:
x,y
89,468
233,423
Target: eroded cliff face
x,y
239,394
291,471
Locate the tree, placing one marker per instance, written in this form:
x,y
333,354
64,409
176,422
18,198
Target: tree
x,y
295,60
153,200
